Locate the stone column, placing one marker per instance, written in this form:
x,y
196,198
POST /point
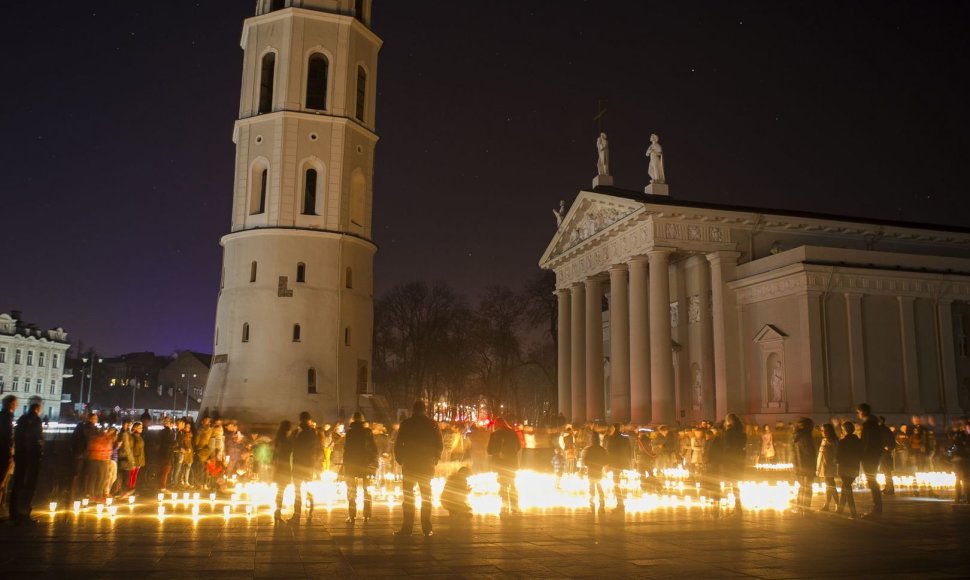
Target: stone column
x,y
857,353
727,352
563,328
595,399
812,355
577,375
619,345
699,333
948,360
640,403
661,365
907,331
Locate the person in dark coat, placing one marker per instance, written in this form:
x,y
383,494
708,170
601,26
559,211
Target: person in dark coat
x,y
503,457
848,458
6,443
417,448
872,451
28,449
731,456
282,466
827,463
307,457
805,458
83,433
621,454
360,465
595,458
166,453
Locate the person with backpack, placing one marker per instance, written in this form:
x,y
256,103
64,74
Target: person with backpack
x,y
503,457
360,465
417,448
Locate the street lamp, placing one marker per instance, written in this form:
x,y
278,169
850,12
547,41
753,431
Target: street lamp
x,y
90,378
188,386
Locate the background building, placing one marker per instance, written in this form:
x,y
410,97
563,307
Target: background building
x,y
32,362
294,320
771,314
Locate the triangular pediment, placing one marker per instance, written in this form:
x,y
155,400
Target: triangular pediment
x,y
769,333
590,214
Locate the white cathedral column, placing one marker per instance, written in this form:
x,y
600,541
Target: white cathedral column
x,y
640,403
564,335
944,311
907,332
661,364
595,397
699,333
619,345
727,352
577,375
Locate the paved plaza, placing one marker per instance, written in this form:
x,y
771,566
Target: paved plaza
x,y
918,538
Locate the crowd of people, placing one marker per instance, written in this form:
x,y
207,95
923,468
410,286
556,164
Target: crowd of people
x,y
105,459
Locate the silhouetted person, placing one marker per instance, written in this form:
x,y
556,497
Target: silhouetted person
x,y
848,459
28,449
79,451
621,455
417,448
360,465
595,458
826,466
282,466
307,457
872,450
732,456
454,497
887,463
6,443
503,457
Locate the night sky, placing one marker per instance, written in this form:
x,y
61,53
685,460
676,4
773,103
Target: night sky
x,y
116,121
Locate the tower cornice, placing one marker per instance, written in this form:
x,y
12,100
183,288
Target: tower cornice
x,y
311,15
339,119
298,231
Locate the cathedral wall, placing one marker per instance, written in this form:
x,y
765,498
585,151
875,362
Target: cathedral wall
x,y
839,357
883,354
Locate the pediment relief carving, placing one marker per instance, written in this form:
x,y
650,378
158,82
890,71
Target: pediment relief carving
x,y
592,217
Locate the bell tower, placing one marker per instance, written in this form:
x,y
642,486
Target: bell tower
x,y
294,321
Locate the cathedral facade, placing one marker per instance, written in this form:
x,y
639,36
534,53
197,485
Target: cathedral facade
x,y
671,311
294,321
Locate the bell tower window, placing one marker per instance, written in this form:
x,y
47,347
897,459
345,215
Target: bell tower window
x,y
259,184
277,5
361,93
252,272
316,82
311,381
245,333
267,76
296,333
301,273
310,192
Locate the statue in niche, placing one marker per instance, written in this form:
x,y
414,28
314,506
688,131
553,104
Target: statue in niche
x,y
776,378
656,154
697,385
603,148
560,213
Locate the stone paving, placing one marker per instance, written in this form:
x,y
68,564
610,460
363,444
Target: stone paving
x,y
918,538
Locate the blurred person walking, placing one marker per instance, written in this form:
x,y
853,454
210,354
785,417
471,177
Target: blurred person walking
x,y
282,465
826,465
848,458
621,454
595,459
307,457
873,449
360,465
805,458
417,448
503,455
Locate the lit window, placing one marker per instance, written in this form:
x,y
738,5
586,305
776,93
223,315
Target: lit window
x,y
245,334
296,333
316,82
266,79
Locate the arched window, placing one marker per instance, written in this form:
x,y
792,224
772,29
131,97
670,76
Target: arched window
x,y
301,272
245,336
267,77
361,93
310,192
357,205
347,336
259,184
311,381
316,82
296,333
349,278
252,272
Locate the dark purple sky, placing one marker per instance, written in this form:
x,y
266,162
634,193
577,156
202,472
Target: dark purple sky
x,y
116,120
